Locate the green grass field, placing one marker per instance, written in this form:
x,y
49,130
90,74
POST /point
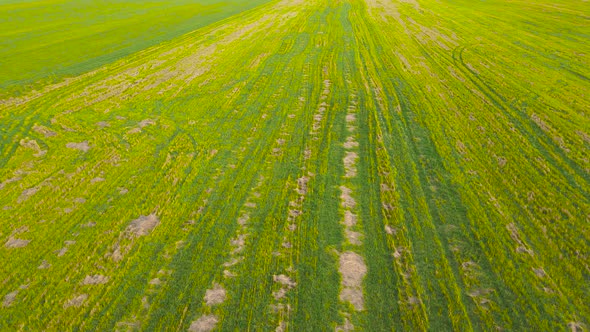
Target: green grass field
x,y
367,165
42,41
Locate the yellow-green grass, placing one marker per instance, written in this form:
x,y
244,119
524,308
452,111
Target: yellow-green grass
x,y
42,42
471,189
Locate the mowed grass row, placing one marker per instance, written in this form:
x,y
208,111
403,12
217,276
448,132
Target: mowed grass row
x,y
469,191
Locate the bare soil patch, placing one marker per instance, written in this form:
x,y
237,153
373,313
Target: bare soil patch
x,y
215,296
243,220
83,146
347,200
280,293
302,185
33,145
146,122
353,237
349,164
576,326
95,280
479,292
539,272
238,243
143,225
9,298
390,230
349,219
44,131
353,296
284,280
8,181
347,326
95,180
204,324
233,262
350,143
353,270
27,193
16,243
44,265
76,301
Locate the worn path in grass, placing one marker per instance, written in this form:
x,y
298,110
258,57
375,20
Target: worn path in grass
x,y
310,165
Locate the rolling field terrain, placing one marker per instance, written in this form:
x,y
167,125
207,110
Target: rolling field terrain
x,y
308,165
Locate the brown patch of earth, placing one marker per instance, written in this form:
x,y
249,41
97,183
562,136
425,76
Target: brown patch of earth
x,y
146,122
16,243
44,265
353,237
302,185
27,193
8,181
350,117
347,326
44,131
9,298
95,280
63,250
350,143
83,146
284,280
95,180
238,243
229,274
280,293
349,219
390,230
243,219
215,296
353,270
76,301
143,225
33,145
576,327
204,324
539,272
233,262
479,292
347,200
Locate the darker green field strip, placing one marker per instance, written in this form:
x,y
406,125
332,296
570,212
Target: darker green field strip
x,y
294,166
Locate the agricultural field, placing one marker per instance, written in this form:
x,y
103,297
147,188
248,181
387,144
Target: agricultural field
x,y
43,41
295,165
